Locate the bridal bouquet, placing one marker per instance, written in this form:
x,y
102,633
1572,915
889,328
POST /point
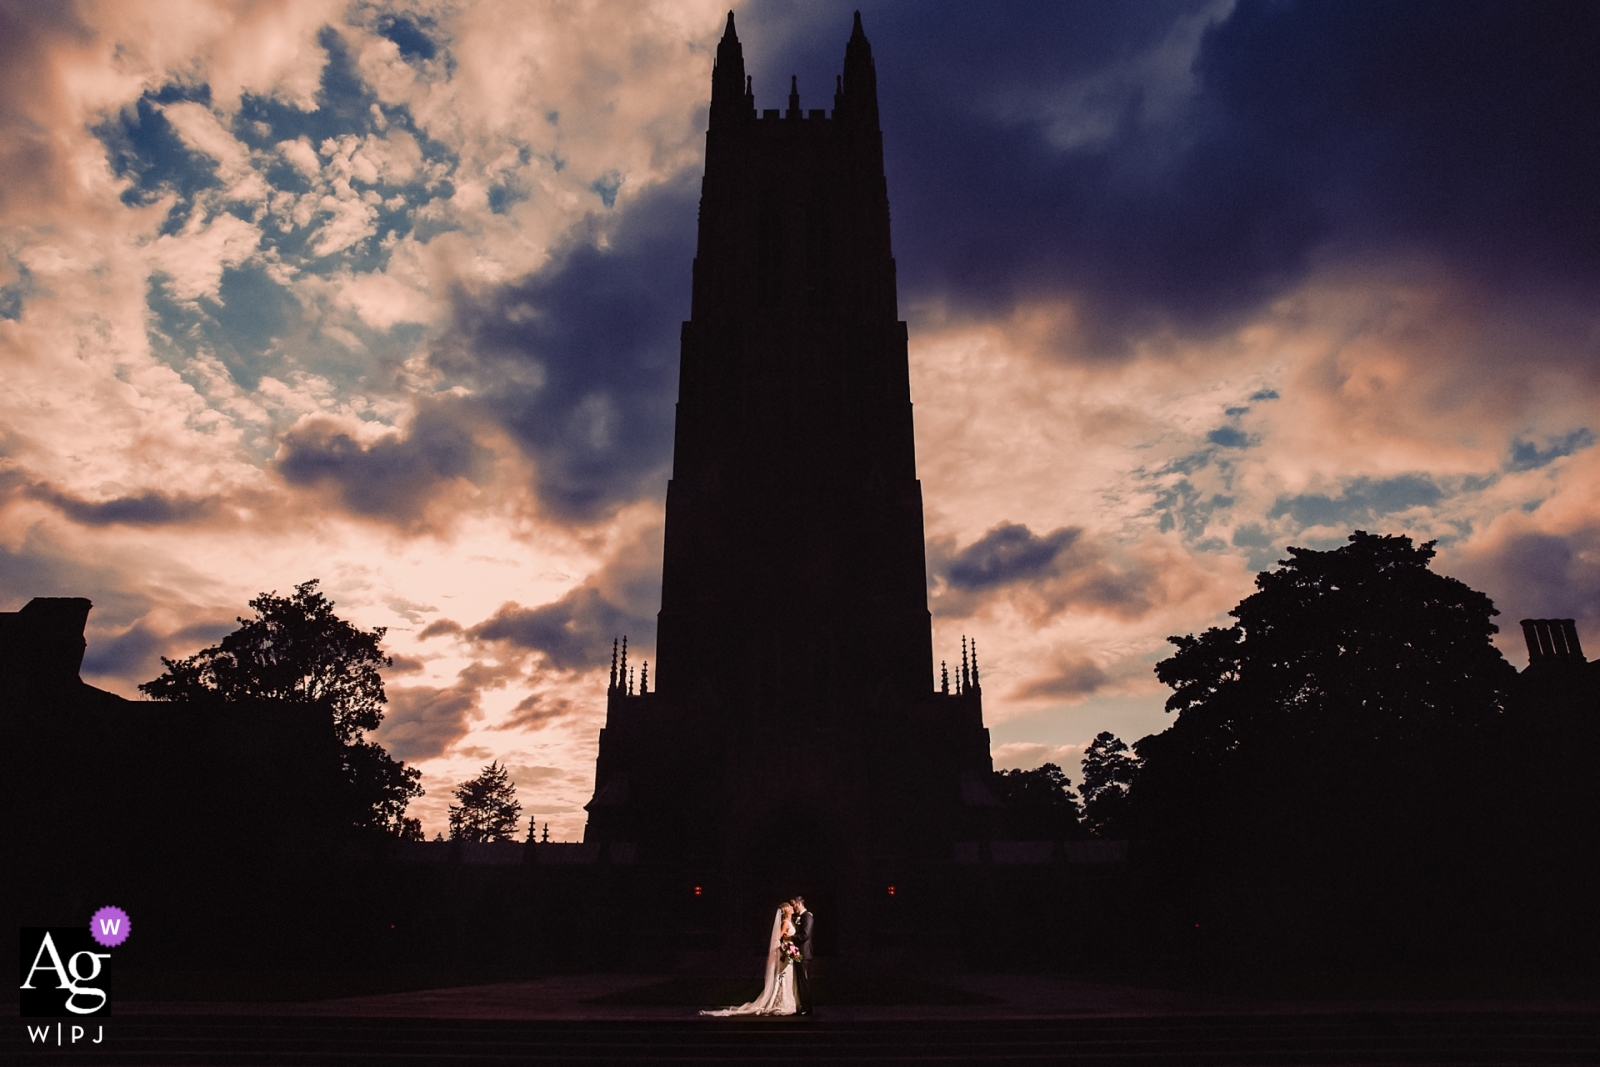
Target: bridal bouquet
x,y
789,952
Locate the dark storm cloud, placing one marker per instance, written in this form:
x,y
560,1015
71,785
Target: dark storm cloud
x,y
1048,574
532,713
137,651
1074,678
1036,149
1007,553
578,361
395,477
1536,575
150,508
573,633
422,721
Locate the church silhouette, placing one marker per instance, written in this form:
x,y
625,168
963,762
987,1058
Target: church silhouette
x,y
795,741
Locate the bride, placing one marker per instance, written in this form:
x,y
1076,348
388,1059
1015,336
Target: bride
x,y
777,987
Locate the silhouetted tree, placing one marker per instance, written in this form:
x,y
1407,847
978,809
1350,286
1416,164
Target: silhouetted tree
x,y
296,649
1330,747
489,809
1109,768
1040,803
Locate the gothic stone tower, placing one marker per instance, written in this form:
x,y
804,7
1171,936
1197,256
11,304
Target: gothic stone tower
x,y
795,741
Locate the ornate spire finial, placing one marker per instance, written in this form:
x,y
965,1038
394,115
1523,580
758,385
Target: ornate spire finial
x,y
794,96
612,687
644,679
630,682
975,683
966,676
546,838
944,678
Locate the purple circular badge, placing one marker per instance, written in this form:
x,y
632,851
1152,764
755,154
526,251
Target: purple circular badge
x,y
109,926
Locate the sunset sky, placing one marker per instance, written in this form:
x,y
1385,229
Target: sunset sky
x,y
388,294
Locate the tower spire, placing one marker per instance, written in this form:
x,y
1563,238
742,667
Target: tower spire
x,y
612,688
858,89
728,82
794,97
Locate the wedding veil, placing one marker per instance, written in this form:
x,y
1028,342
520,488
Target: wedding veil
x,y
772,956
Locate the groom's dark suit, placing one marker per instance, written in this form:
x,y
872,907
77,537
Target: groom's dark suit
x,y
802,968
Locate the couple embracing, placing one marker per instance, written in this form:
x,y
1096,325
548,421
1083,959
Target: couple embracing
x,y
786,983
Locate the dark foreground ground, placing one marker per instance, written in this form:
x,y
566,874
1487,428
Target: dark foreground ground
x,y
974,1019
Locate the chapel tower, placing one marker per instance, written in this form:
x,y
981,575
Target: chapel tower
x,y
795,741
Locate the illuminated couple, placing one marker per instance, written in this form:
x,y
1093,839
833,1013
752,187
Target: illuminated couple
x,y
786,982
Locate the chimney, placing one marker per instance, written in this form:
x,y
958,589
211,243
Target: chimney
x,y
41,646
1552,643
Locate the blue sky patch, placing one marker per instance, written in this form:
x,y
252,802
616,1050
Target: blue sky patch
x,y
1362,501
606,186
1527,456
1229,437
143,148
408,36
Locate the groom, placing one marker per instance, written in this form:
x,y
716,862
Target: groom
x,y
803,921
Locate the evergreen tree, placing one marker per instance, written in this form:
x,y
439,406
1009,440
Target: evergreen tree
x,y
1109,769
488,808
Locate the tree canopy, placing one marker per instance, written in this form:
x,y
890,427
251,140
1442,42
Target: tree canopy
x,y
1040,804
1365,636
295,649
488,808
1344,725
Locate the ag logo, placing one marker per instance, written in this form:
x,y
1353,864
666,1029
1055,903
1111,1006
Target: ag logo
x,y
63,973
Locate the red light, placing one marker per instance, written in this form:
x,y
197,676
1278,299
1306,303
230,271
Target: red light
x,y
1197,926
696,890
891,891
391,926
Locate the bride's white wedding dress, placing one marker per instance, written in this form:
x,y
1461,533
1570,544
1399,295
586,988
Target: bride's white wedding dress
x,y
777,987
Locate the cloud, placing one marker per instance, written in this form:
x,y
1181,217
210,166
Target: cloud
x,y
578,361
1181,165
1072,679
395,477
150,508
1053,573
1029,755
535,711
575,632
423,721
572,634
1008,553
136,652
